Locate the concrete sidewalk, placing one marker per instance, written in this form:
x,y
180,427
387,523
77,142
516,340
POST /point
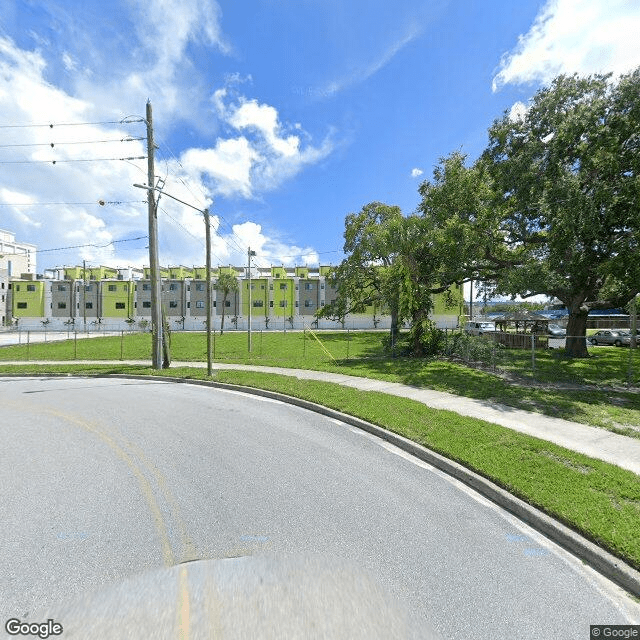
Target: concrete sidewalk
x,y
601,444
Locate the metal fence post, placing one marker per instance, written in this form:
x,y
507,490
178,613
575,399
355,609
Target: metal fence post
x,y
533,356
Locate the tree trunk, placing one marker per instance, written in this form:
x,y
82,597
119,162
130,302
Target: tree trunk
x,y
576,342
224,306
394,325
417,332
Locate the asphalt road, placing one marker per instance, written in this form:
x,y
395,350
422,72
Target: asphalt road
x,y
103,479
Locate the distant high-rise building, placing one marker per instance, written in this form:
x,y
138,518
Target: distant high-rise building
x,y
16,259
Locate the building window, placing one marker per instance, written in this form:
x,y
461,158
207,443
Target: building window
x,y
62,287
146,286
62,305
88,287
308,303
120,305
173,286
146,304
283,286
199,304
258,303
173,304
214,303
17,287
309,286
227,303
200,286
112,287
88,305
31,287
22,305
283,303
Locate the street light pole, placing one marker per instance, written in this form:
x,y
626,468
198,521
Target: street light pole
x,y
205,212
208,276
249,254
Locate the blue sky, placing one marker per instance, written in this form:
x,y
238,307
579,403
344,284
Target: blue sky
x,y
282,116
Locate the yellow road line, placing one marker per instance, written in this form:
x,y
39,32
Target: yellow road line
x,y
190,552
183,604
145,486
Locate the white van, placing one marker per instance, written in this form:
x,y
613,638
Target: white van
x,y
478,328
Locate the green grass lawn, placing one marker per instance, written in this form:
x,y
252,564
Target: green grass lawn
x,y
363,354
593,391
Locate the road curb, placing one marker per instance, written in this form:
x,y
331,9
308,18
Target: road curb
x,y
602,561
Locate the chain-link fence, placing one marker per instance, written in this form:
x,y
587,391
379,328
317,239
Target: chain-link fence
x,y
542,358
524,358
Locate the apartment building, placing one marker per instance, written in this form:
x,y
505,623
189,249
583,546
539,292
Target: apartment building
x,y
275,297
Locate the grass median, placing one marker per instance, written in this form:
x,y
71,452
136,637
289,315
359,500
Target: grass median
x,y
597,499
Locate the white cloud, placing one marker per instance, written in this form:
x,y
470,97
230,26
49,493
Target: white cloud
x,y
70,63
518,111
264,119
256,152
262,158
366,70
228,165
416,173
270,250
575,36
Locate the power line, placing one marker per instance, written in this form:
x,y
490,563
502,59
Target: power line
x,y
218,215
76,160
51,125
56,144
102,203
95,246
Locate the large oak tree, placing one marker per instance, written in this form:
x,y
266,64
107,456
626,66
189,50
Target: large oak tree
x,y
552,206
567,193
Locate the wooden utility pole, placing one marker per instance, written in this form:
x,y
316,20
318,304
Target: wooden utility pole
x,y
154,266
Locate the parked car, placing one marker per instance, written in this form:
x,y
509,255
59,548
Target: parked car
x,y
478,328
556,331
544,329
609,336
